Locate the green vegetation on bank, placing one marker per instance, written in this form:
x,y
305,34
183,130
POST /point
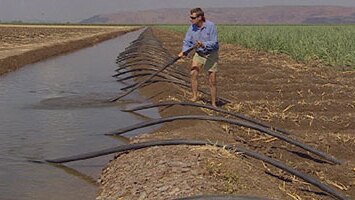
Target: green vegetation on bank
x,y
332,44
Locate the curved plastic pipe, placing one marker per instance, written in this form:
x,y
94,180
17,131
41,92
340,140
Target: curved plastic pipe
x,y
144,81
138,75
273,162
139,53
155,50
124,148
221,197
240,116
129,62
230,121
126,55
187,85
168,70
168,73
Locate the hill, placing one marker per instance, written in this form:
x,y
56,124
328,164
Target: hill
x,y
250,15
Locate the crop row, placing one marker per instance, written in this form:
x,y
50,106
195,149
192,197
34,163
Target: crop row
x,y
333,45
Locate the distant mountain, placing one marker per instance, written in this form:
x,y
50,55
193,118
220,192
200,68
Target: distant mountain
x,y
250,15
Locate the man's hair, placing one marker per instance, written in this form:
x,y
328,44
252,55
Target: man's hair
x,y
199,12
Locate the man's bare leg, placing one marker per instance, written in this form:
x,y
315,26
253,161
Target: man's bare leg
x,y
213,87
195,69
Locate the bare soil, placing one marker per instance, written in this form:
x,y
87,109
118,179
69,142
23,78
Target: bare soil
x,y
315,103
25,44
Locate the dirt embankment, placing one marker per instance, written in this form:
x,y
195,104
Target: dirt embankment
x,y
21,45
315,103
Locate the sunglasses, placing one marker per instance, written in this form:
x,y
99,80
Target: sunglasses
x,y
193,17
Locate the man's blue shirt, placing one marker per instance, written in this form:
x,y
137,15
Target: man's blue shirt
x,y
207,34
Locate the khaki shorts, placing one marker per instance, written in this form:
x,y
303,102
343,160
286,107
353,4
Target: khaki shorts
x,y
209,61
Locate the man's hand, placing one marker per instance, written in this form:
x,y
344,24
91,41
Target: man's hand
x,y
181,55
199,44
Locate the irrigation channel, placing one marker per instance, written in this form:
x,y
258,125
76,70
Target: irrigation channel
x,y
147,51
56,108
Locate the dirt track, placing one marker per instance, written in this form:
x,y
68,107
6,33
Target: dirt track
x,y
313,102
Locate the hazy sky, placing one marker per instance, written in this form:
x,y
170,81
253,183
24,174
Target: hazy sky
x,y
76,10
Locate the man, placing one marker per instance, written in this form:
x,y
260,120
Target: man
x,y
203,35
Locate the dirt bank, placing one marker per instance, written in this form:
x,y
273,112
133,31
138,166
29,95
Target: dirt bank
x,y
21,45
315,103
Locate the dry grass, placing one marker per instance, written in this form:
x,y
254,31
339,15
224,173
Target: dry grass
x,y
338,185
293,195
343,138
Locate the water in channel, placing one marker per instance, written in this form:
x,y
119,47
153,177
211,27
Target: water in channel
x,y
56,108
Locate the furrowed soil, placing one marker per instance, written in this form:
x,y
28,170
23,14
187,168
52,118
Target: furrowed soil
x,y
25,44
315,103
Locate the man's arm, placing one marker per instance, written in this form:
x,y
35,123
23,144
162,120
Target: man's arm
x,y
187,43
212,44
